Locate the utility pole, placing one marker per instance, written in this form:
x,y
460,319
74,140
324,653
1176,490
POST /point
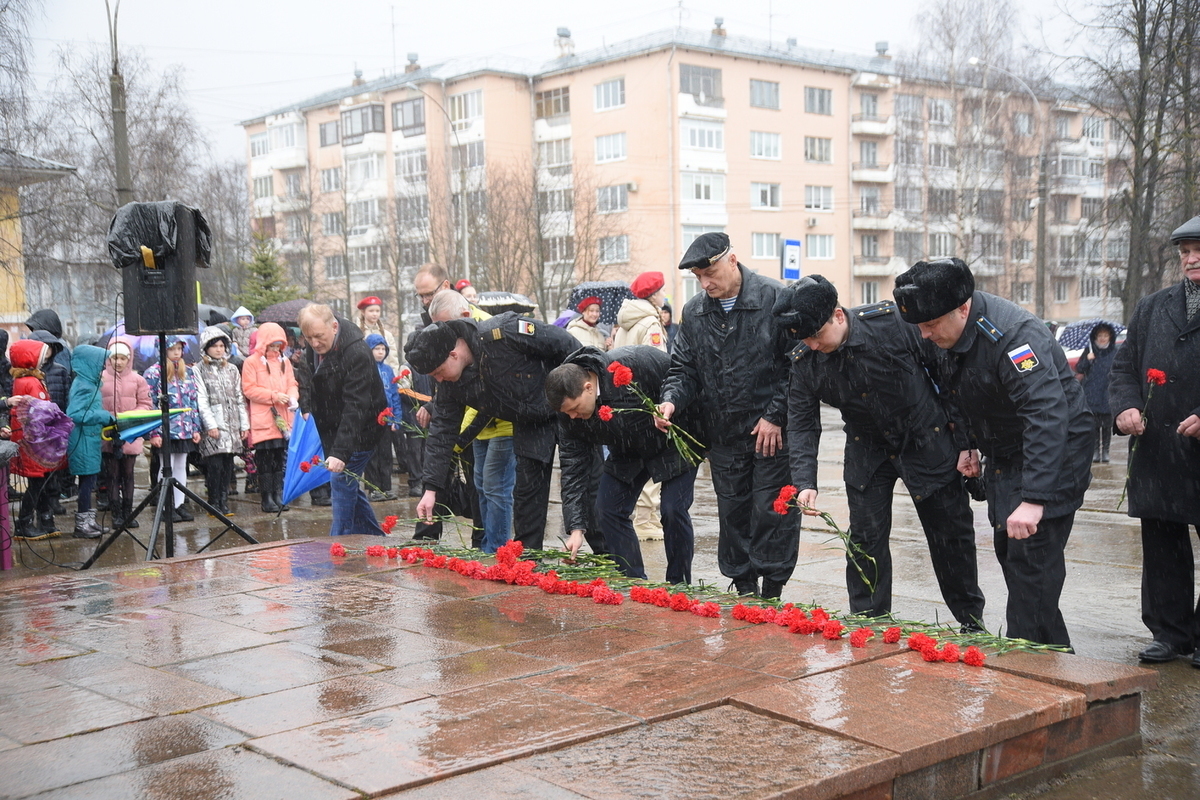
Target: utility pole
x,y
116,86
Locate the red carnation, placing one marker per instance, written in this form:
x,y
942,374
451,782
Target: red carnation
x,y
393,552
305,466
1156,376
389,522
605,413
780,506
804,626
382,419
377,550
622,375
681,602
336,549
859,637
891,635
973,657
316,461
819,614
931,654
832,629
709,609
950,653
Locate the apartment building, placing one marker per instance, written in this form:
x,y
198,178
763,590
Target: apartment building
x,y
606,163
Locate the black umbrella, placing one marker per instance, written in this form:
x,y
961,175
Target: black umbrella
x,y
611,294
1077,334
212,315
285,313
498,302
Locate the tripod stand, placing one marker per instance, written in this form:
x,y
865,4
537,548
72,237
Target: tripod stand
x,y
162,492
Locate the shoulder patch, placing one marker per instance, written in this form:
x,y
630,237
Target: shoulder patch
x,y
989,330
526,326
880,309
497,334
656,339
1023,358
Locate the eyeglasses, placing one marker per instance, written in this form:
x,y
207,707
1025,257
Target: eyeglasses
x,y
427,295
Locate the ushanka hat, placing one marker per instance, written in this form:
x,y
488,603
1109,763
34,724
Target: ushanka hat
x,y
706,250
429,347
929,289
1188,231
805,306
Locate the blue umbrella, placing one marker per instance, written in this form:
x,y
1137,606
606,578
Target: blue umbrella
x,y
139,424
304,444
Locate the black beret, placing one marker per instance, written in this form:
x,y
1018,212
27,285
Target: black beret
x,y
708,249
1188,231
429,347
929,289
805,306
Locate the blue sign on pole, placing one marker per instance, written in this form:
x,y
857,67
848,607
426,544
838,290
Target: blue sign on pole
x,y
789,259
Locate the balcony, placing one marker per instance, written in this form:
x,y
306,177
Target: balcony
x,y
872,173
875,219
869,125
865,261
878,266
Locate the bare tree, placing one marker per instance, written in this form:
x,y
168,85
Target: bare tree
x,y
222,198
15,83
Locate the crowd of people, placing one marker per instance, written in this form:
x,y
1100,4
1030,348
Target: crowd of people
x,y
956,392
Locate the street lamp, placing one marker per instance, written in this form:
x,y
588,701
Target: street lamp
x,y
1043,189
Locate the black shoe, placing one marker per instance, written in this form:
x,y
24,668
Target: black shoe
x,y
771,590
971,629
1158,653
746,587
415,491
47,524
181,514
56,507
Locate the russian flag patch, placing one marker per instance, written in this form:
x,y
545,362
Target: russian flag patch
x,y
1023,358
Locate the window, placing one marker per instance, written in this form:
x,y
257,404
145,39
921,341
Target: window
x,y
991,205
408,117
868,105
555,156
465,107
993,159
332,224
1090,286
610,147
819,246
1022,124
1071,166
1061,291
941,111
817,150
764,195
412,212
1022,250
611,199
942,202
818,198
329,133
870,245
260,145
1062,126
942,155
908,198
1023,166
363,215
331,180
703,83
909,151
263,187
693,232
765,245
360,169
1060,206
335,266
1117,249
293,227
553,102
610,94
703,135
1023,292
705,187
910,106
868,200
283,136
467,156
293,183
910,246
358,122
991,245
366,259
868,154
818,101
614,249
764,145
1096,169
1022,209
476,205
414,254
941,245
411,165
559,250
870,292
1093,130
556,201
764,94
1091,208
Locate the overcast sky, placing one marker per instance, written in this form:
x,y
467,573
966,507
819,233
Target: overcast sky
x,y
245,57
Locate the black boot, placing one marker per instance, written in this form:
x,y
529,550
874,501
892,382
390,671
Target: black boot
x,y
266,488
102,500
321,495
127,518
747,587
771,590
47,524
251,482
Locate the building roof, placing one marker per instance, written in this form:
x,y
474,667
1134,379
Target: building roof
x,y
19,169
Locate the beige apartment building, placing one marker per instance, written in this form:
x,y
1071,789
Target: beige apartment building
x,y
603,164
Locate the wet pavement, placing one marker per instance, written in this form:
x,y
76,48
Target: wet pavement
x,y
140,679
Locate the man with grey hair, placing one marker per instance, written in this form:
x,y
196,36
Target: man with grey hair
x,y
346,399
448,305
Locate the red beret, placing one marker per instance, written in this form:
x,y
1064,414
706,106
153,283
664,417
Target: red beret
x,y
647,284
462,284
369,301
587,301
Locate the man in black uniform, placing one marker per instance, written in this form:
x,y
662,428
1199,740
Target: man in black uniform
x,y
871,365
1024,410
637,452
499,367
731,362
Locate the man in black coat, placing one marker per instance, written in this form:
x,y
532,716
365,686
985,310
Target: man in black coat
x,y
347,397
637,452
1024,410
498,367
731,363
874,367
1164,472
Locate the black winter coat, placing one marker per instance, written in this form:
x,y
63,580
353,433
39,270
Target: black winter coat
x,y
633,442
1164,472
1021,404
6,378
880,380
347,394
734,367
507,381
1095,374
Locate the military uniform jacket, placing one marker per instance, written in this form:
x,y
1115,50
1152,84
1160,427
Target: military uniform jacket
x,y
512,355
733,367
633,442
878,378
1021,404
1164,473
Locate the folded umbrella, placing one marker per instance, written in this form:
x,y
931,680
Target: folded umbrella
x,y
131,425
303,446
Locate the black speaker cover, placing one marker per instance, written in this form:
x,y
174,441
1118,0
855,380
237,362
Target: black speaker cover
x,y
160,297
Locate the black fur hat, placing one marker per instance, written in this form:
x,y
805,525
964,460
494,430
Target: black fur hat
x,y
429,347
929,289
805,306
